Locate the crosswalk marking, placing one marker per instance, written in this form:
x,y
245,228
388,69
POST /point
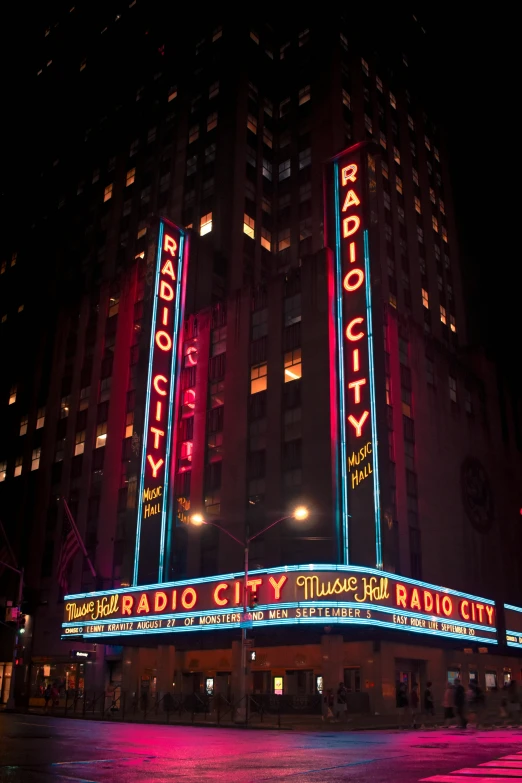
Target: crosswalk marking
x,y
506,769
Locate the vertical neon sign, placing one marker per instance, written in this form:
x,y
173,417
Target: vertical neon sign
x,y
354,404
162,381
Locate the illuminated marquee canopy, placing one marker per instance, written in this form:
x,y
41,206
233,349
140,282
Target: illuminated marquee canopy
x,y
154,502
322,594
513,620
353,406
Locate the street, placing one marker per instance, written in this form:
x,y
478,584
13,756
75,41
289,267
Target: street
x,y
37,749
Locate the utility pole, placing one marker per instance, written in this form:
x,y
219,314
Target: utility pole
x,y
10,705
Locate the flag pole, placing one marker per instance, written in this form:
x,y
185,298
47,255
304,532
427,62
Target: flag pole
x,y
78,536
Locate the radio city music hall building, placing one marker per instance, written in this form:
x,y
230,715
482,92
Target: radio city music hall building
x,y
255,303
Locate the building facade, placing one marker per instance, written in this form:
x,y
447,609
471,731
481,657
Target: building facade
x,y
230,135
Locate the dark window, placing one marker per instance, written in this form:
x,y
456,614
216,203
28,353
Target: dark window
x,y
256,464
216,367
292,454
213,478
102,413
409,428
76,466
81,420
215,419
188,377
292,395
47,559
258,351
257,404
415,553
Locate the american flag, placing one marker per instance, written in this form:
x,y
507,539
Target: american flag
x,y
70,545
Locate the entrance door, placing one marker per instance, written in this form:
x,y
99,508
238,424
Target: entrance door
x,y
222,684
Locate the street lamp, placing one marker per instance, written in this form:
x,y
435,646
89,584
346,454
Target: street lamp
x,y
300,513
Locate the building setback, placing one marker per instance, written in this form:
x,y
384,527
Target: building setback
x,y
229,134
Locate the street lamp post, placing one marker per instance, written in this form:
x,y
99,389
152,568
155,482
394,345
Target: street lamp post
x,y
10,705
300,513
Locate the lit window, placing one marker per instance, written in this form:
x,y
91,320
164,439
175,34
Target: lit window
x,y
435,223
365,67
284,239
293,365
3,267
398,184
388,390
23,425
101,435
193,133
258,378
378,83
417,205
305,158
216,35
249,225
267,170
444,234
18,466
212,121
3,470
393,102
114,305
284,170
443,314
346,99
304,95
453,325
65,406
382,140
79,443
252,123
442,207
107,193
141,233
40,418
425,298
411,124
131,176
396,155
393,300
427,143
14,258
266,239
35,459
415,176
384,169
205,226
20,308
173,93
254,36
432,196
134,147
452,388
129,424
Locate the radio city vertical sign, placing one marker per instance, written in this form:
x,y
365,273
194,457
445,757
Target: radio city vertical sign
x,y
154,502
353,409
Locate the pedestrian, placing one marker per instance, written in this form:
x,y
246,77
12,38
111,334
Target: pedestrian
x,y
328,703
448,702
47,697
402,703
513,702
55,695
342,702
414,705
429,704
460,703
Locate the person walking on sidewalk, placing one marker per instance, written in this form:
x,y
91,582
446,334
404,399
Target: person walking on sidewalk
x,y
342,702
414,705
448,703
513,702
403,703
460,703
429,704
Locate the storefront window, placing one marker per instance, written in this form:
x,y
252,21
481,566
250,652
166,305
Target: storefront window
x,y
209,686
473,676
5,681
453,674
507,677
491,681
278,686
352,679
62,676
319,684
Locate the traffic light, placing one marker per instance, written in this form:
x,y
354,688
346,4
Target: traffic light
x,y
252,604
22,619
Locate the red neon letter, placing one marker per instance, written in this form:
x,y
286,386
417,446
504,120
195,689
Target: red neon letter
x,y
352,252
174,599
156,382
237,593
464,609
253,584
356,222
447,605
349,333
191,359
163,341
428,601
126,604
355,356
348,173
480,609
166,291
351,200
400,595
188,597
168,269
158,411
415,600
157,435
278,586
217,599
359,274
358,424
165,317
154,465
489,611
356,385
160,601
170,245
143,605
